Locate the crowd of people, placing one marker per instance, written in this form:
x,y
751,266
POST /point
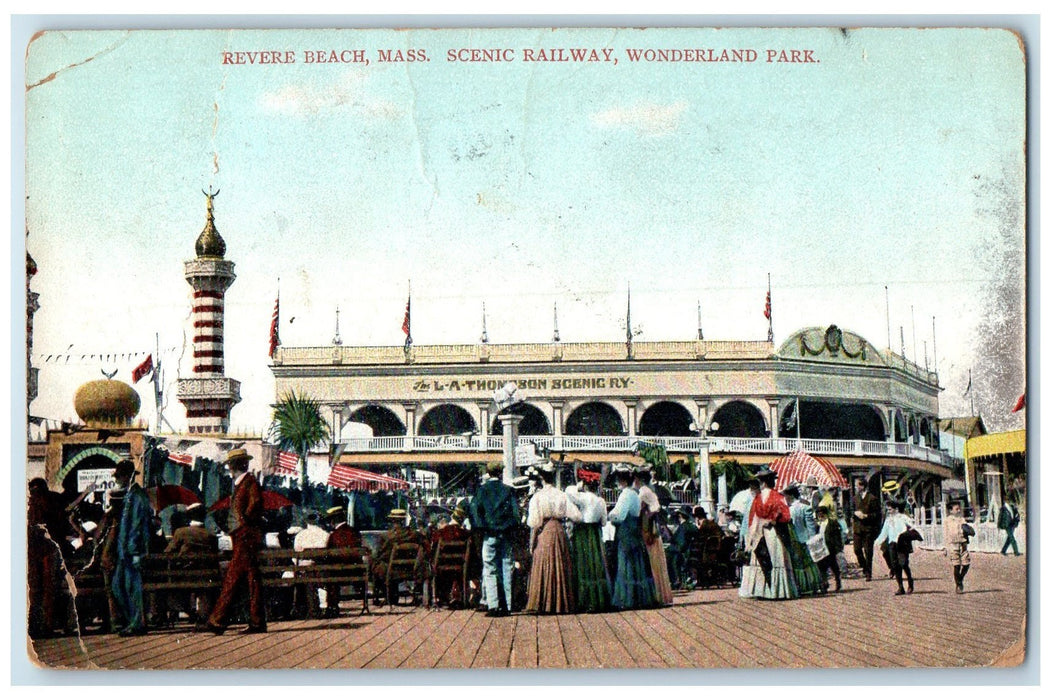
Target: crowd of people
x,y
530,546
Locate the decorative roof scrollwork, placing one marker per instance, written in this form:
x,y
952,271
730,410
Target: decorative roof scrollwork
x,y
833,344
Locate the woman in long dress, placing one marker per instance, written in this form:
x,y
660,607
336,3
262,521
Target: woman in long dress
x,y
591,587
809,580
769,570
651,507
550,577
633,586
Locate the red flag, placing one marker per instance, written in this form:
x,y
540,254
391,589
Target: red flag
x,y
275,340
146,367
766,311
1020,404
406,325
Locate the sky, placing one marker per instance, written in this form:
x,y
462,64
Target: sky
x,y
519,185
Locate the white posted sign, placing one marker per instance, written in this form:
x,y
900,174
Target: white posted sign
x,y
103,479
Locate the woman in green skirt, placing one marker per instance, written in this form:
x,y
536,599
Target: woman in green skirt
x,y
590,578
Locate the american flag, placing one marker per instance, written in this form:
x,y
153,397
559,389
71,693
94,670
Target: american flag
x,y
767,310
406,325
183,458
275,339
287,463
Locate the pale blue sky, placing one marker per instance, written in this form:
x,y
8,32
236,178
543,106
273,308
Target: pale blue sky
x,y
520,185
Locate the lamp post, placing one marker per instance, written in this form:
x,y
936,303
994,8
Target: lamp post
x,y
705,470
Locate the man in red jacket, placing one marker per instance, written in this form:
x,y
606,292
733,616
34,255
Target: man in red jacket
x,y
243,524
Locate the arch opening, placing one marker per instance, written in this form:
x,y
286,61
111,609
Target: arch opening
x,y
738,419
382,420
594,418
447,419
534,422
666,418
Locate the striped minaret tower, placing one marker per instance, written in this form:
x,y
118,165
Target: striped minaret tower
x,y
209,395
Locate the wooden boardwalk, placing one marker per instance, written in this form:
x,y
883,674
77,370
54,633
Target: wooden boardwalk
x,y
704,629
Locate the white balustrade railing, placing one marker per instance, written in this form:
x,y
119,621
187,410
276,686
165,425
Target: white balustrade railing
x,y
623,443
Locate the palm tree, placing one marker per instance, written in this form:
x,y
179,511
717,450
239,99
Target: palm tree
x,y
299,426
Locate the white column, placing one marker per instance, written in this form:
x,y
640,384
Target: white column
x,y
483,425
556,424
632,419
704,471
775,418
410,424
510,425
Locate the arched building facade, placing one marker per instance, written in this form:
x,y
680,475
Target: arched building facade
x,y
827,390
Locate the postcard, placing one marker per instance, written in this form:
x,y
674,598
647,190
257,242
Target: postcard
x,y
526,348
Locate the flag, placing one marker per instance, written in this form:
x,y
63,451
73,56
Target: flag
x,y
287,463
1020,404
406,325
767,310
183,458
144,368
275,339
791,415
627,323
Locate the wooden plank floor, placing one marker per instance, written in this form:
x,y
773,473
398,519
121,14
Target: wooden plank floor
x,y
864,626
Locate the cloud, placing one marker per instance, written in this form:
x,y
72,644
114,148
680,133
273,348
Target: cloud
x,y
310,99
645,118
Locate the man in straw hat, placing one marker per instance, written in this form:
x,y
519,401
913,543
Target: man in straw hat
x,y
397,534
133,542
244,523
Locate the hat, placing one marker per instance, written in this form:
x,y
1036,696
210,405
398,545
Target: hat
x,y
397,514
890,486
685,512
459,513
520,483
765,472
335,512
237,454
792,491
699,512
546,467
124,468
811,481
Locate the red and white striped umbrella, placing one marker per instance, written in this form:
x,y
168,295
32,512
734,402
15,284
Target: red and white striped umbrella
x,y
352,479
799,466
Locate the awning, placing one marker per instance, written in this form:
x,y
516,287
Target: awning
x,y
800,466
351,479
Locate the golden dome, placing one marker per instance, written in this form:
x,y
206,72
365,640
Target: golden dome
x,y
210,244
106,402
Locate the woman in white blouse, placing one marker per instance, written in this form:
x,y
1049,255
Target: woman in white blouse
x,y
550,577
591,588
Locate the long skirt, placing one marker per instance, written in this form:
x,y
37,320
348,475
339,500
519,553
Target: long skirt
x,y
781,583
659,567
633,587
550,578
808,576
590,580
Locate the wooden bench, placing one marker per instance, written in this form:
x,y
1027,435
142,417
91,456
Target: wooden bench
x,y
203,573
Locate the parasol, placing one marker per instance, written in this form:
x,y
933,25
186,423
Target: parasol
x,y
799,466
271,501
171,495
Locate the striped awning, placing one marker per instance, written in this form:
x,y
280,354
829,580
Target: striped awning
x,y
799,467
352,479
287,463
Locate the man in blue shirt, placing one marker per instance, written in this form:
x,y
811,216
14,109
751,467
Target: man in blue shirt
x,y
494,511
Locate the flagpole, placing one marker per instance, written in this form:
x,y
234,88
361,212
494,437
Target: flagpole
x,y
934,339
770,306
700,328
798,422
886,294
157,381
